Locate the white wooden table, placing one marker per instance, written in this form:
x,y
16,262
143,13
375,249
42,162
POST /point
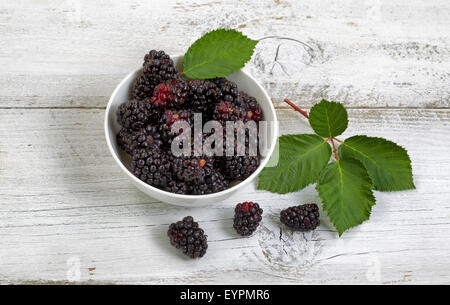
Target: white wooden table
x,y
68,214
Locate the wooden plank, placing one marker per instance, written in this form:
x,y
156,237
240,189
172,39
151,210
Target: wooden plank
x,y
64,202
370,54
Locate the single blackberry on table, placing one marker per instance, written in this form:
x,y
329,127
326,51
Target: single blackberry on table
x,y
302,218
152,166
203,94
171,94
247,216
214,182
135,114
187,236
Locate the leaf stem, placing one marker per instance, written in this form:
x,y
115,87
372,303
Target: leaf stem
x,y
340,141
334,149
303,112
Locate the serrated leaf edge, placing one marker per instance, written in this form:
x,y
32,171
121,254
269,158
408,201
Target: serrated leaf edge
x,y
328,118
258,187
411,186
372,196
255,42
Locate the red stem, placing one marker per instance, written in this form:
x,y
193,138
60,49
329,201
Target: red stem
x,y
305,114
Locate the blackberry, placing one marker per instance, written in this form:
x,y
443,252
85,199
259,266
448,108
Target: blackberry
x,y
192,170
146,138
238,167
135,114
158,68
187,236
142,88
227,111
168,118
171,94
203,94
254,111
177,187
228,89
142,138
152,166
124,139
302,218
247,216
214,182
240,99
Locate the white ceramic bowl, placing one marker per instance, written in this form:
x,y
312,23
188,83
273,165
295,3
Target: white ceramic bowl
x,y
121,94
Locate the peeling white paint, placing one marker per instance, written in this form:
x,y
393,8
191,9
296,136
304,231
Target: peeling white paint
x,y
62,197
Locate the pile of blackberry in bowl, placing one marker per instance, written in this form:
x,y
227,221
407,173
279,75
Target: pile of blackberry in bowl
x,y
159,97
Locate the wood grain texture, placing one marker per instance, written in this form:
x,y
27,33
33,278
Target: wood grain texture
x,y
63,197
64,203
364,53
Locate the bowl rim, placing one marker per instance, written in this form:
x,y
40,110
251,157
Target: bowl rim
x,y
241,184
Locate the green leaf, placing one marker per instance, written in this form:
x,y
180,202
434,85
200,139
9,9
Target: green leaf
x,y
388,164
328,119
218,54
302,158
346,191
